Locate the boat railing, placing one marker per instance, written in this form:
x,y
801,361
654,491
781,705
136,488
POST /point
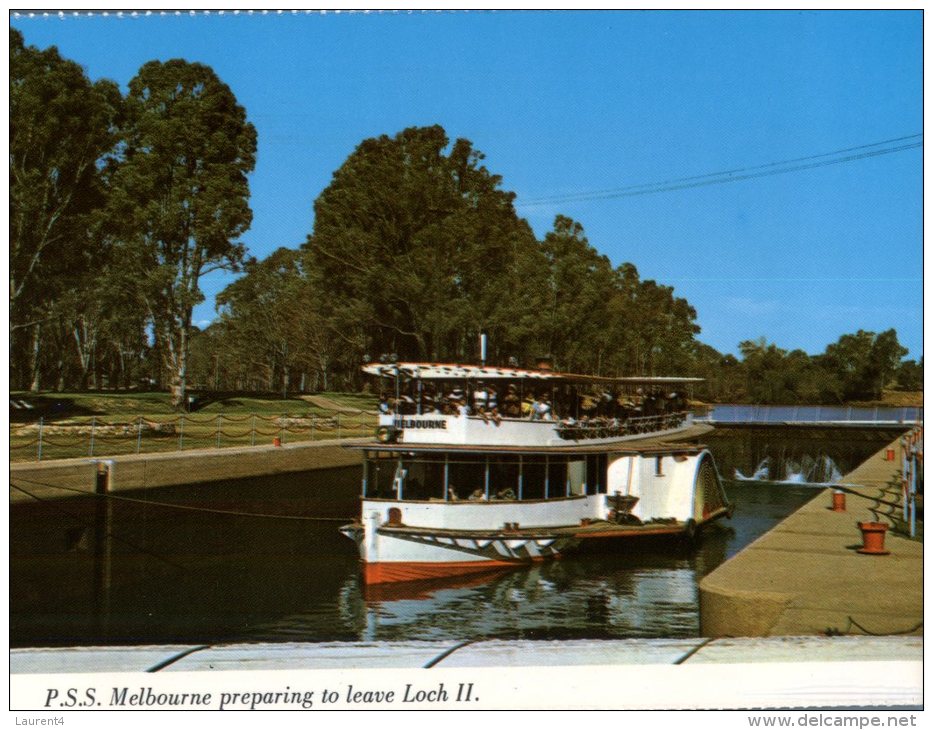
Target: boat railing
x,y
573,430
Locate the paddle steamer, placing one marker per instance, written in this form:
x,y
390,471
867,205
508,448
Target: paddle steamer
x,y
476,468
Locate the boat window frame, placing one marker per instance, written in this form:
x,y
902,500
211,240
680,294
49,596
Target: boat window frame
x,y
551,466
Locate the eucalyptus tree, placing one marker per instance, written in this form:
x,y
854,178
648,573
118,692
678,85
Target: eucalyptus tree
x,y
864,362
181,191
62,127
578,288
419,249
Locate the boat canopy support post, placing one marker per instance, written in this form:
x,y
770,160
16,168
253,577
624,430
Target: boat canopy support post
x,y
400,479
521,464
446,476
365,472
487,478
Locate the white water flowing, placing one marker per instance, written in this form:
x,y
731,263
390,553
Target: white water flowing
x,y
808,470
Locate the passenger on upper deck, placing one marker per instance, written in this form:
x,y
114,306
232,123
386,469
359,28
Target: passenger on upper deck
x,y
485,402
541,409
511,405
480,398
384,404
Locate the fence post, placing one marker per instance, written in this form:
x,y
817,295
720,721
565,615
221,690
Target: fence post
x,y
181,433
252,431
905,468
41,423
913,493
93,428
139,435
219,427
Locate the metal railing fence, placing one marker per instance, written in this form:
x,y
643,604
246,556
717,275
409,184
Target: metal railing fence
x,y
881,415
97,436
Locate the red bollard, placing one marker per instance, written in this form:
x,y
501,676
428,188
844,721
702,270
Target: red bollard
x,y
276,441
839,500
873,538
889,455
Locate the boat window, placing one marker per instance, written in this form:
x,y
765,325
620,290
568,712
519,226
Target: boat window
x,y
423,479
576,477
503,478
507,477
467,478
380,480
596,473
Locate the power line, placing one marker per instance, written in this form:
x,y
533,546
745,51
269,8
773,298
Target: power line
x,y
735,175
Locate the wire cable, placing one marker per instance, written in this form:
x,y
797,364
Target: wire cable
x,y
726,176
170,505
52,503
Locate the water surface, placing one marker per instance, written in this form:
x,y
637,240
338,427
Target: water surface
x,y
90,572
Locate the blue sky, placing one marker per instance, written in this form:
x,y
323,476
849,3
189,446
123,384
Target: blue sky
x,y
573,102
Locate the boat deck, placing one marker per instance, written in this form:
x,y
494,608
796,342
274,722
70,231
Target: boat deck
x,y
685,441
594,529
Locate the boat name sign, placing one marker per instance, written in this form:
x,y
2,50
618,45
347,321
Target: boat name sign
x,y
420,423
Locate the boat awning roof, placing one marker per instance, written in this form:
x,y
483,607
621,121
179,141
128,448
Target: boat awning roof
x,y
452,371
646,446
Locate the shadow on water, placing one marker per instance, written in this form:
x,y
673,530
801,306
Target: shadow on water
x,y
132,573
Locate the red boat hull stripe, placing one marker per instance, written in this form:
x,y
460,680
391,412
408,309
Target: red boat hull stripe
x,y
405,571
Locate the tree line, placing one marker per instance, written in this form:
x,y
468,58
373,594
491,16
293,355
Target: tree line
x,y
120,203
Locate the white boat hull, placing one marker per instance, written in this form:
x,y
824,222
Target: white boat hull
x,y
405,540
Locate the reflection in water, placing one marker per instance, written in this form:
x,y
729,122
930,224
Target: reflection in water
x,y
560,599
650,591
85,572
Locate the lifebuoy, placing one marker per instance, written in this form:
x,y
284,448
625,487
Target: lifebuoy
x,y
386,434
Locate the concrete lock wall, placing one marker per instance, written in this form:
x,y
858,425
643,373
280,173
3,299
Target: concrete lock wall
x,y
70,477
806,575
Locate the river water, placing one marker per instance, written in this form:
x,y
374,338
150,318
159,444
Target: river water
x,y
89,572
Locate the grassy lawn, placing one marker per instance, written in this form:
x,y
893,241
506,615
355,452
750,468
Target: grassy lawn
x,y
108,424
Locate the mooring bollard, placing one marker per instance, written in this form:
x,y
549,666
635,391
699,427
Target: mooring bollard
x,y
839,500
873,538
276,441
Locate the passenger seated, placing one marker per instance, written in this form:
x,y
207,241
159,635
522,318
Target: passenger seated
x,y
506,493
511,405
478,495
480,398
541,410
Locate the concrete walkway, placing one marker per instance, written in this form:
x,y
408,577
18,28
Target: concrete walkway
x,y
805,576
